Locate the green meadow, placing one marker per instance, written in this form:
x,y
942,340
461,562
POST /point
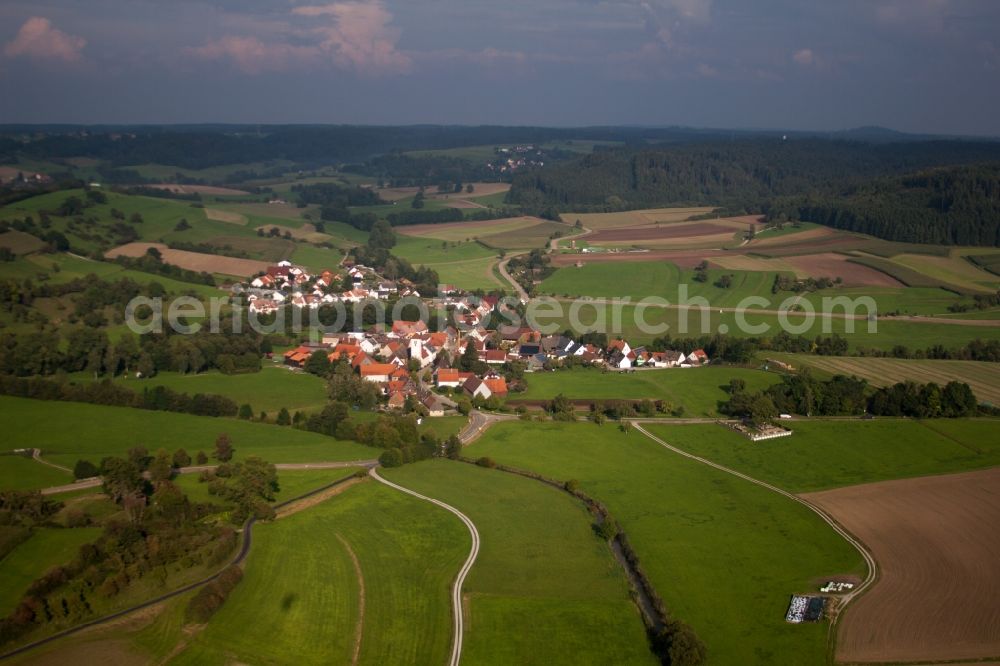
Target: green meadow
x,y
68,431
698,390
545,589
641,279
300,595
46,547
829,454
724,554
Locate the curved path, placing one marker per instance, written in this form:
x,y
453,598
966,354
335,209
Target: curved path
x,y
456,588
860,547
479,422
502,267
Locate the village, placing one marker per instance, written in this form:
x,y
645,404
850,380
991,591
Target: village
x,y
410,362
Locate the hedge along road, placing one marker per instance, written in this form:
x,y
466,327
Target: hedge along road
x,y
240,556
95,481
860,547
456,588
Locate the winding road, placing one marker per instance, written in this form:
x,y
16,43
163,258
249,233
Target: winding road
x,y
456,588
860,547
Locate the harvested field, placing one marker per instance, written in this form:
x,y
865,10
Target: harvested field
x,y
197,189
799,236
742,262
225,216
306,232
684,259
633,218
525,238
829,264
459,231
19,242
638,234
936,543
479,190
193,261
952,269
983,377
834,242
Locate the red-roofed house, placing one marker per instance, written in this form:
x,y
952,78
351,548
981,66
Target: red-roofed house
x,y
497,385
377,372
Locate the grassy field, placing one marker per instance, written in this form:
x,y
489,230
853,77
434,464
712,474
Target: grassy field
x,y
983,377
655,278
537,235
274,387
697,389
829,454
292,483
45,548
67,432
60,268
300,587
724,554
545,589
431,252
22,473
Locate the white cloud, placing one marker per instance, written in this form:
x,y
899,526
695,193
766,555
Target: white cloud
x,y
354,36
360,37
37,38
804,57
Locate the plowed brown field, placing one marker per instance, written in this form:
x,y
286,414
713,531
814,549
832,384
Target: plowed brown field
x,y
937,546
193,261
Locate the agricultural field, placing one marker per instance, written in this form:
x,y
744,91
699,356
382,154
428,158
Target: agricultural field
x,y
67,432
936,545
698,390
661,279
504,233
292,483
408,552
640,325
274,387
46,547
981,376
544,588
633,218
193,261
723,553
18,472
19,242
823,454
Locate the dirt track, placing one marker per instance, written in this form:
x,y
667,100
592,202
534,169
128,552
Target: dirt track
x,y
937,546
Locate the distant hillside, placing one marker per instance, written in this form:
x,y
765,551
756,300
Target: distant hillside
x,y
745,176
947,206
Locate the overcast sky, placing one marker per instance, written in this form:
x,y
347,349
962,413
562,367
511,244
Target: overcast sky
x,y
912,65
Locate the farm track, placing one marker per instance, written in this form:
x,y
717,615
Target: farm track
x,y
873,570
96,481
456,589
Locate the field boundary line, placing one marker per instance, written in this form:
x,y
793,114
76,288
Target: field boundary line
x,y
828,519
458,618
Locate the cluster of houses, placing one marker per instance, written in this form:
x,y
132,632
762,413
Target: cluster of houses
x,y
286,284
392,357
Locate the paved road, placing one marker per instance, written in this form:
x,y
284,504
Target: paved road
x,y
860,547
456,588
96,481
479,422
502,267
